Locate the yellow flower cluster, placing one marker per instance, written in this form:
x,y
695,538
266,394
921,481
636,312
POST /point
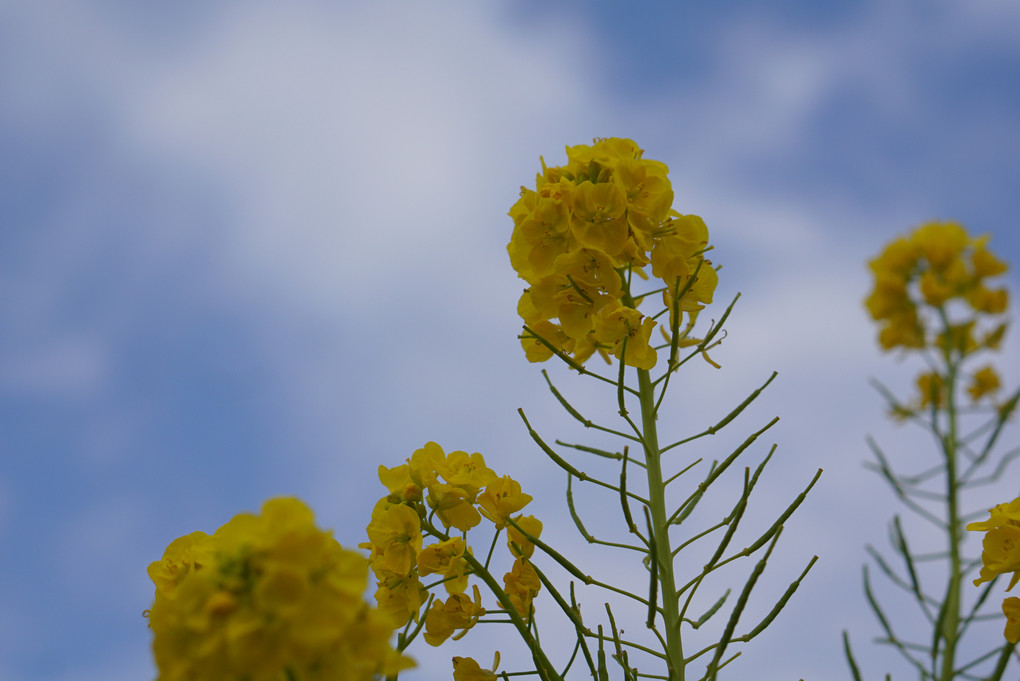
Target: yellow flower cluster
x,y
581,234
459,490
267,597
946,264
1001,555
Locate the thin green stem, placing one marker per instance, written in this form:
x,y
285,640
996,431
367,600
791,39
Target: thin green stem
x,y
660,528
951,619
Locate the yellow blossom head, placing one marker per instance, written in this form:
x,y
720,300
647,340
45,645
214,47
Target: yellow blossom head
x,y
921,278
272,596
579,238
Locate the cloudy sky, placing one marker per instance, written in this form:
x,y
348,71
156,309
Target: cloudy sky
x,y
258,248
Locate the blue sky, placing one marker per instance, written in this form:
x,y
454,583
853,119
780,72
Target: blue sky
x,y
259,249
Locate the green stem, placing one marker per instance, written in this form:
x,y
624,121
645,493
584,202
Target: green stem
x,y
660,528
951,619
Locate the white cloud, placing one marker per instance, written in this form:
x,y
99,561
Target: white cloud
x,y
350,139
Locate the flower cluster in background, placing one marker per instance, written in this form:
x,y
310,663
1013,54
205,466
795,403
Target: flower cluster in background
x,y
267,597
933,299
931,292
947,265
580,236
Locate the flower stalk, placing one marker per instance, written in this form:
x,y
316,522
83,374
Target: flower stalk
x,y
581,240
660,528
932,298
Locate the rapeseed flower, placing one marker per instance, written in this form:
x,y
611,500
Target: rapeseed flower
x,y
518,544
501,499
266,597
920,276
522,584
581,234
459,611
467,669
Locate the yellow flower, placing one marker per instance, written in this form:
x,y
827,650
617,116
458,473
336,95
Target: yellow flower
x,y
466,669
398,481
542,300
904,330
446,558
619,219
1011,609
458,612
423,464
615,324
988,301
517,542
577,313
453,506
541,236
437,558
273,597
986,264
935,289
522,584
524,206
648,191
537,351
591,271
890,296
467,472
502,498
395,536
941,242
598,218
400,597
406,481
1000,516
181,556
675,254
899,258
984,382
1001,554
